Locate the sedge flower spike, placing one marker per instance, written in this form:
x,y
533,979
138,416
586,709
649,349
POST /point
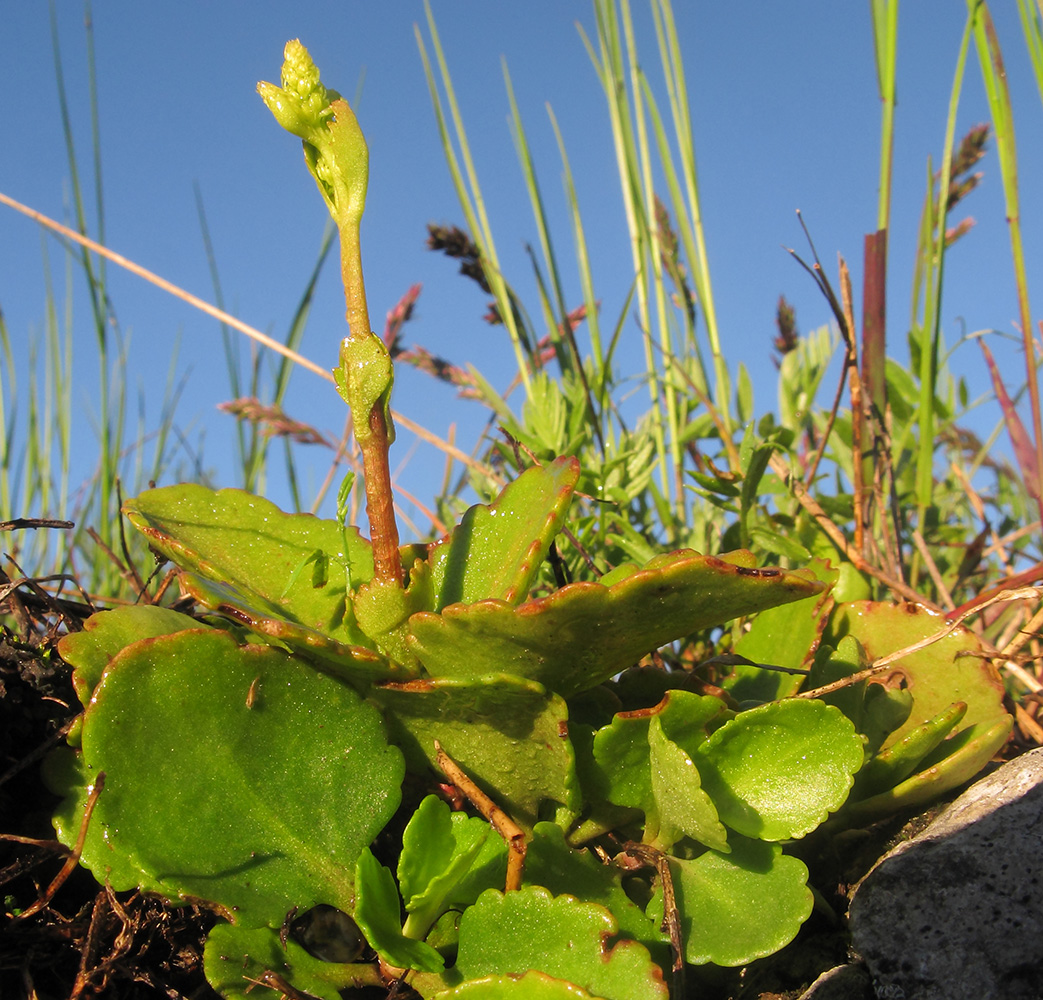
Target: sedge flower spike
x,y
337,157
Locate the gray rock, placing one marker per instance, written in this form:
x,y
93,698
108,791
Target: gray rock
x,y
957,912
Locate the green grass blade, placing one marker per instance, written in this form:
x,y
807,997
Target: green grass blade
x,y
994,76
1032,27
229,342
468,190
673,71
885,45
930,327
609,64
586,278
8,421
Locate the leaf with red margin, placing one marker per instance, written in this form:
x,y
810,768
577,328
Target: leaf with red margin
x,y
508,733
496,550
584,633
294,567
951,669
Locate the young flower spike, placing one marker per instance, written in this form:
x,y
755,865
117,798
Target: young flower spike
x,y
334,147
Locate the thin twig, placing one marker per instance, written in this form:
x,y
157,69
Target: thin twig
x,y
1027,631
73,860
932,569
883,662
128,561
836,536
850,359
671,923
512,834
35,522
1023,579
222,317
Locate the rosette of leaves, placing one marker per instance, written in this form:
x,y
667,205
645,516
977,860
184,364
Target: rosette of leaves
x,y
252,757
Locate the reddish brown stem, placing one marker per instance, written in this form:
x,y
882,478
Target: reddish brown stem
x,y
380,502
874,316
73,859
512,834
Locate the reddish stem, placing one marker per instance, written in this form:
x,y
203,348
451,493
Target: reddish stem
x,y
380,500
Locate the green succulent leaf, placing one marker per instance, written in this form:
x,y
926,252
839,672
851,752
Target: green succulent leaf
x,y
563,870
740,906
508,733
103,636
234,774
784,636
951,669
884,709
448,859
531,986
496,550
582,634
892,766
529,929
377,913
876,708
775,772
239,964
358,665
106,633
959,759
266,558
684,808
644,767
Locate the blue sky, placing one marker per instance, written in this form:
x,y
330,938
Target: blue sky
x,y
786,117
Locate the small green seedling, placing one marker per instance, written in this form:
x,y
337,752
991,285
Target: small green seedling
x,y
253,758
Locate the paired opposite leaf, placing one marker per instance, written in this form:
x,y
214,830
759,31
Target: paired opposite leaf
x,y
638,764
448,859
377,913
773,772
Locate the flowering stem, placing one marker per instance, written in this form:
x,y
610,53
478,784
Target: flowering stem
x,y
337,156
375,440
